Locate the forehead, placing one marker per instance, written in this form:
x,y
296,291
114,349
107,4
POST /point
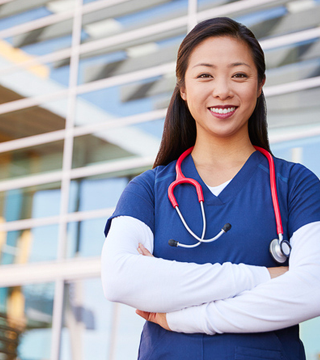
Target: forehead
x,y
221,50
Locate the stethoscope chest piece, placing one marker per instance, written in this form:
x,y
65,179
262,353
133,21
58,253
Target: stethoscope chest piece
x,y
280,251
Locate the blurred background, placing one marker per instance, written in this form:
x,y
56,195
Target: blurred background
x,y
84,86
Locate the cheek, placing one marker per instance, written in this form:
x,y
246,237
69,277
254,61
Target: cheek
x,y
250,97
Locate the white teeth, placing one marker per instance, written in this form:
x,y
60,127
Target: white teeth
x,y
222,111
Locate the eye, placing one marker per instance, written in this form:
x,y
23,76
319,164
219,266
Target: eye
x,y
204,76
240,76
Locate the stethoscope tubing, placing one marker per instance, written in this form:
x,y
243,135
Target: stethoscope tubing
x,y
273,188
276,246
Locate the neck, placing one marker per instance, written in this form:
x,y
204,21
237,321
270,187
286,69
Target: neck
x,y
220,151
219,161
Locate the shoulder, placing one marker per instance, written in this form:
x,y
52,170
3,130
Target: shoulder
x,y
150,178
302,193
138,198
294,173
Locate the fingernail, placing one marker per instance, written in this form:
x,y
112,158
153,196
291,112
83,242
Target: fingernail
x,y
139,251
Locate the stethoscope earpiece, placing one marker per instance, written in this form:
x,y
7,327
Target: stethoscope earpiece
x,y
173,243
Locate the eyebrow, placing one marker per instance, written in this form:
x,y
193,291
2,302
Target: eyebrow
x,y
230,65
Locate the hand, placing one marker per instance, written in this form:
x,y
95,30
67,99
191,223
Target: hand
x,y
157,318
143,251
277,271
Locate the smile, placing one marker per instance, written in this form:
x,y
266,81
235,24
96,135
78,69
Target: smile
x,y
222,111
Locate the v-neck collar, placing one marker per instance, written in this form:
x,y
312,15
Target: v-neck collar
x,y
235,185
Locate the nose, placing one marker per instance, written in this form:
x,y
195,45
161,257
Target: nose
x,y
222,89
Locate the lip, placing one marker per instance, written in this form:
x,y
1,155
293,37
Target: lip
x,y
223,116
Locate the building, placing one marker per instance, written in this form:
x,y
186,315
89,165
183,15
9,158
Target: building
x,y
84,87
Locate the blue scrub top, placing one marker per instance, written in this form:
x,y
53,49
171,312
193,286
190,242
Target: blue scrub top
x,y
245,203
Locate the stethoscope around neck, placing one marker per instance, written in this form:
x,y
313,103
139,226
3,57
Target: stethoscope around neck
x,y
279,248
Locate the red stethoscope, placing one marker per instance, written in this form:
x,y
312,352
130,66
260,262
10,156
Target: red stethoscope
x,y
279,248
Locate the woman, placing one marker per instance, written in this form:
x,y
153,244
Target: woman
x,y
228,299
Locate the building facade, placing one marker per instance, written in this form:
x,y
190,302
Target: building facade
x,y
84,87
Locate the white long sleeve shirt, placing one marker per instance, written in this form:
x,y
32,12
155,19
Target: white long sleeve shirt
x,y
212,298
159,285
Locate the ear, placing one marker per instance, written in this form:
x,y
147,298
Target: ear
x,y
260,86
183,93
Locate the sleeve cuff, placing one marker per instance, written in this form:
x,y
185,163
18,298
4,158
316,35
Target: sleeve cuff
x,y
186,321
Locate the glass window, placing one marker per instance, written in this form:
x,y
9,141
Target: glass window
x,y
30,202
291,63
26,316
29,245
90,149
274,19
94,193
34,120
130,56
32,160
296,108
16,12
124,100
32,80
309,331
96,329
44,40
86,238
130,15
141,139
308,148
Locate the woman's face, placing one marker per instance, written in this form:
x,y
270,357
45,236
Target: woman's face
x,y
221,87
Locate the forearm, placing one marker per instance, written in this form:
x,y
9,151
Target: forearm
x,y
278,303
160,285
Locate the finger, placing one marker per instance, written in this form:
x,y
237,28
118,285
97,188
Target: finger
x,y
143,314
142,250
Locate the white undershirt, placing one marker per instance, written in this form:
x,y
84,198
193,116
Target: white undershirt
x,y
248,301
216,190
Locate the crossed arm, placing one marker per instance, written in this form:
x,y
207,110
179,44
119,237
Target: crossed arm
x,y
283,302
247,302
159,285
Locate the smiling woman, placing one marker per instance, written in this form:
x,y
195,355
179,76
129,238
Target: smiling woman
x,y
228,297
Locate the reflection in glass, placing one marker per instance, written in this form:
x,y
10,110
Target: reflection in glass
x,y
309,150
124,100
47,39
32,80
26,320
29,245
17,12
129,16
33,160
295,62
285,19
134,55
141,139
30,202
85,238
96,329
90,149
33,120
294,108
94,193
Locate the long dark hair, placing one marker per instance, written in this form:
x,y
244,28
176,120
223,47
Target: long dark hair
x,y
179,131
